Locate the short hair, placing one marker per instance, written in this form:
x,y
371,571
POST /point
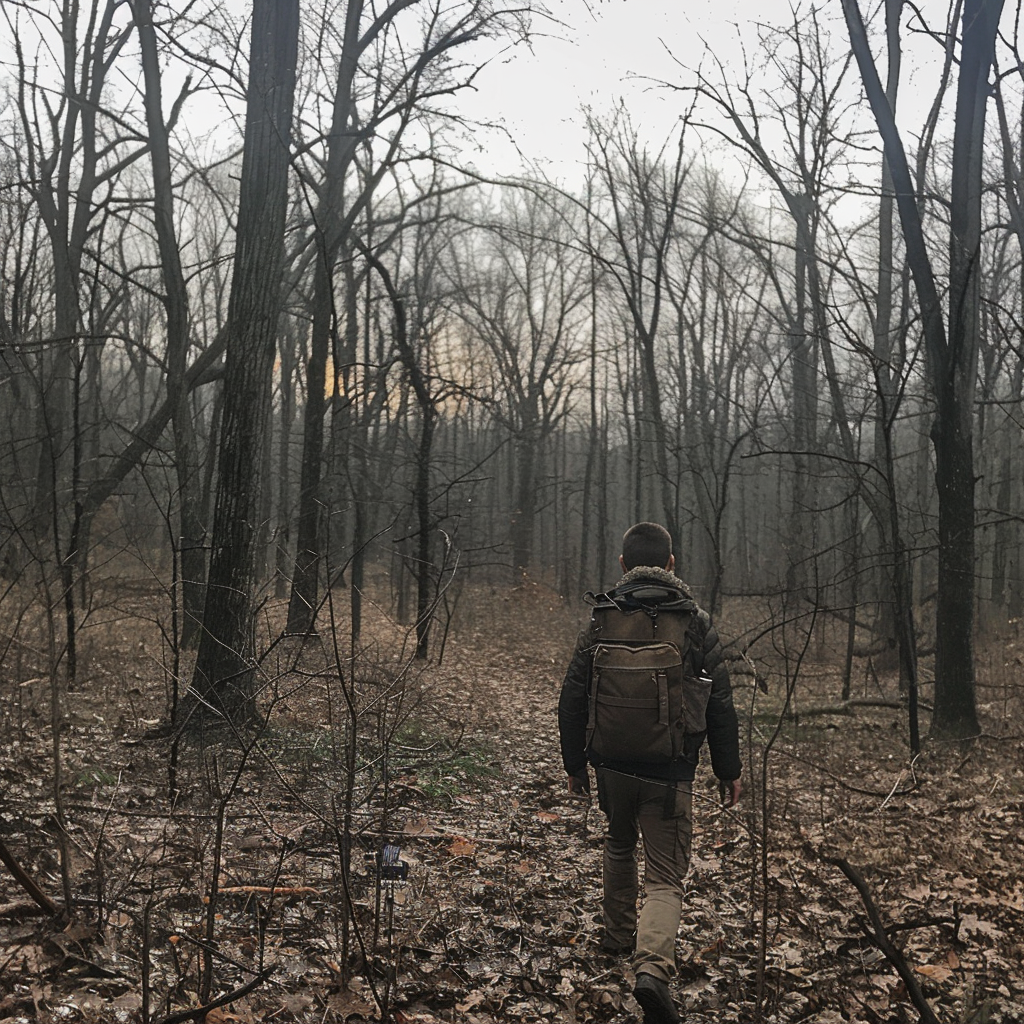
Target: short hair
x,y
646,544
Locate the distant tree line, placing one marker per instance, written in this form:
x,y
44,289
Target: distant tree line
x,y
264,332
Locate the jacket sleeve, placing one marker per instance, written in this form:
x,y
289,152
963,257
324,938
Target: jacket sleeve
x,y
723,725
573,708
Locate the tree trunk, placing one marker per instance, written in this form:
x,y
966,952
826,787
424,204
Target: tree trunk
x,y
593,434
329,236
223,676
955,713
424,456
283,560
897,619
952,358
186,462
525,504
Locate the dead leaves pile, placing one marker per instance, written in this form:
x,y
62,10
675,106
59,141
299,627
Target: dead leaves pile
x,y
497,920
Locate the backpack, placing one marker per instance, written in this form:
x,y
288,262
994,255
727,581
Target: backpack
x,y
644,695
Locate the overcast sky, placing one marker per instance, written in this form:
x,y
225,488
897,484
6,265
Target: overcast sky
x,y
603,51
608,50
600,54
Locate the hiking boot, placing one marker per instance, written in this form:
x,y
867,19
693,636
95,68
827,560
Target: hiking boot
x,y
653,996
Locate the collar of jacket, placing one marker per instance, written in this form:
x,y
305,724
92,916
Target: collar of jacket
x,y
645,587
652,574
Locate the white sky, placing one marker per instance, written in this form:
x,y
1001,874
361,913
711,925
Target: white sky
x,y
606,50
597,57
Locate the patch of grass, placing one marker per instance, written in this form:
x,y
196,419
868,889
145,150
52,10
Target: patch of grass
x,y
88,778
444,767
466,772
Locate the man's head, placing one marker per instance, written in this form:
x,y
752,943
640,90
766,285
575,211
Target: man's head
x,y
647,544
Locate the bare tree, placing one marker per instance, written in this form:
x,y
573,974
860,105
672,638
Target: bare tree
x,y
717,294
176,305
383,85
805,106
521,288
640,205
418,319
951,348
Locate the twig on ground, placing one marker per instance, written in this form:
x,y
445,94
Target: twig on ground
x,y
229,997
28,883
879,935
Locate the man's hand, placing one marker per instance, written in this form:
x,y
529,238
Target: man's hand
x,y
579,785
730,792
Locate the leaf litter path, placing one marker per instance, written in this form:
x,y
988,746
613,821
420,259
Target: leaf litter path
x,y
498,919
533,855
518,869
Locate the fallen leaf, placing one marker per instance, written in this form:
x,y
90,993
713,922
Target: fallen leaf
x,y
474,999
220,1016
460,847
972,923
935,972
715,949
420,827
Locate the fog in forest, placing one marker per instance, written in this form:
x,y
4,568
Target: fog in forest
x,y
340,343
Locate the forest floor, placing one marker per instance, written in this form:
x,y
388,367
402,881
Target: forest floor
x,y
497,919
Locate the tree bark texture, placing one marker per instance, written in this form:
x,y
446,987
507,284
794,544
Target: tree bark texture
x,y
224,668
952,431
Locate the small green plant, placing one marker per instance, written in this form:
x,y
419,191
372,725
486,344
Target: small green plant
x,y
89,778
444,767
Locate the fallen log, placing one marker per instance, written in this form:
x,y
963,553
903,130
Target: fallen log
x,y
843,707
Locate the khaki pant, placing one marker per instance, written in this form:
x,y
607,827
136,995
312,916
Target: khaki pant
x,y
662,814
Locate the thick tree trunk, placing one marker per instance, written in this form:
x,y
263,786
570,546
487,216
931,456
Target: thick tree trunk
x,y
955,715
223,676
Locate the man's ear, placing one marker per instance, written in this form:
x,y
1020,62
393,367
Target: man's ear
x,y
622,563
671,563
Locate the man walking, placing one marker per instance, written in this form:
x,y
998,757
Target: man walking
x,y
646,686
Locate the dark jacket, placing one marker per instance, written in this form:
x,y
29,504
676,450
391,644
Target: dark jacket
x,y
722,732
